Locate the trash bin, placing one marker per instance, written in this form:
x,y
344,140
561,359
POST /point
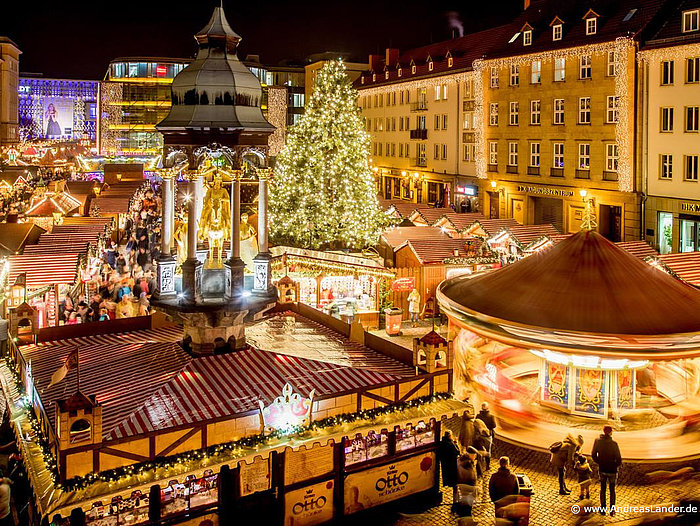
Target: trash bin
x,y
525,492
393,319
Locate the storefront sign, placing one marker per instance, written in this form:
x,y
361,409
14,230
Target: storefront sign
x,y
465,189
305,464
254,476
376,486
288,411
544,190
310,505
690,207
403,284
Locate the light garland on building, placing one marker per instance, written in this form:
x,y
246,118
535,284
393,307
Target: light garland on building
x,y
431,82
624,135
318,265
277,116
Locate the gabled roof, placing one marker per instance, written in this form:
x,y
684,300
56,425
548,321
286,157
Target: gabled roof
x,y
489,227
45,270
436,251
15,236
396,236
685,266
525,235
427,215
669,32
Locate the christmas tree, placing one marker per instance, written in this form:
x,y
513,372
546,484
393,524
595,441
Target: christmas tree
x,y
323,192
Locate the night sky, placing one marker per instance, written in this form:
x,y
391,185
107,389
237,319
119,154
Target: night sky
x,y
77,39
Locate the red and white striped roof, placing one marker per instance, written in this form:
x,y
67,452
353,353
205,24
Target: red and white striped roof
x,y
432,251
428,216
685,265
76,247
458,221
58,239
214,386
639,248
120,369
43,270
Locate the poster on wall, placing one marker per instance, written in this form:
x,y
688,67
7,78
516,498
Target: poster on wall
x,y
309,505
591,392
556,383
372,487
254,476
625,389
305,464
58,117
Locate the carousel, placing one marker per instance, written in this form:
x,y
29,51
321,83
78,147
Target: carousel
x,y
576,336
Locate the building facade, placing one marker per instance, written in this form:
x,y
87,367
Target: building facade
x,y
134,97
670,132
58,109
9,81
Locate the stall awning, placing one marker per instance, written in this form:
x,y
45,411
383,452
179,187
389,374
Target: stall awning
x,y
111,205
641,249
434,251
43,270
75,247
685,265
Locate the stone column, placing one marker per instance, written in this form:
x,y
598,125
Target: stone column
x,y
198,195
191,268
235,265
166,263
262,280
171,213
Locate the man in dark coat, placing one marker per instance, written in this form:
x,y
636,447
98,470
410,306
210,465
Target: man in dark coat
x,y
490,421
448,454
606,453
502,483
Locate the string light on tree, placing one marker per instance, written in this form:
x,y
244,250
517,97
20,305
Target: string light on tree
x,y
323,194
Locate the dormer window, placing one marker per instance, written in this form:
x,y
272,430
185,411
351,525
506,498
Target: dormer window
x,y
399,72
591,26
450,62
413,69
691,20
430,65
557,31
527,38
374,77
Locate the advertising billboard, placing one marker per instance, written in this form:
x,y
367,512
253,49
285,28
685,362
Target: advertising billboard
x,y
380,485
309,505
58,117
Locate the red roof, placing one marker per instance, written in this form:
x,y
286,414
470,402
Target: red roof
x,y
112,204
460,221
491,226
524,235
584,284
43,270
57,239
641,249
433,338
398,235
431,251
428,215
75,247
685,265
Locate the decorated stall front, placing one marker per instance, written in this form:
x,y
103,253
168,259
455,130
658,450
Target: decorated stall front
x,y
345,286
584,331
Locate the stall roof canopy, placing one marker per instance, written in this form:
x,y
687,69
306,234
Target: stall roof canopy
x,y
436,251
398,235
639,248
43,270
15,236
583,284
686,266
111,204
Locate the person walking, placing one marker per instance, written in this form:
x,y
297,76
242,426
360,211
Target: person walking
x,y
466,431
606,453
448,453
414,306
563,454
502,483
490,421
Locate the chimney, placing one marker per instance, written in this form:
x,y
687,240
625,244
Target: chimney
x,y
526,4
375,63
392,56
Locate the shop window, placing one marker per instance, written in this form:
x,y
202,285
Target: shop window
x,y
364,448
666,120
665,236
410,436
432,192
688,240
556,32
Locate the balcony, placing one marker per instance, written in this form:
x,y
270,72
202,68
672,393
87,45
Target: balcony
x,y
512,169
583,174
533,170
420,134
609,176
421,105
556,172
492,168
420,161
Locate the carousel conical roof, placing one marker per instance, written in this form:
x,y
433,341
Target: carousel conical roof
x,y
584,284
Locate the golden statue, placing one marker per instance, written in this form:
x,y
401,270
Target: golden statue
x,y
181,240
215,222
249,242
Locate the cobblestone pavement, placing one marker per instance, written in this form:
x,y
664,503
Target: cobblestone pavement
x,y
548,508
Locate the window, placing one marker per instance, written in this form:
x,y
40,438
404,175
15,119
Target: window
x,y
513,114
466,152
692,70
667,67
585,67
611,157
613,104
467,121
536,72
559,69
591,26
665,232
388,149
469,89
430,65
494,77
444,92
444,121
400,149
437,122
436,153
449,62
666,166
444,152
666,119
400,125
438,90
584,156
558,111
493,114
691,20
514,74
493,152
692,164
388,124
558,155
401,97
535,112
584,110
512,154
379,149
556,32
692,118
534,154
612,60
527,37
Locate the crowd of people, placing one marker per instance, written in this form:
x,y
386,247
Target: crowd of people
x,y
125,279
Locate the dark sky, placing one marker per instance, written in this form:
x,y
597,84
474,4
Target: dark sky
x,y
77,38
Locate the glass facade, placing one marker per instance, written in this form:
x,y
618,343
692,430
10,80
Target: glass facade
x,y
689,240
665,230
